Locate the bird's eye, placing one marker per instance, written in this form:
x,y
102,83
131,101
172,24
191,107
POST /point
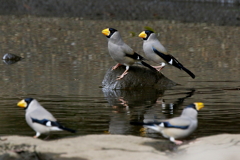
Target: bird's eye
x,y
28,100
148,32
112,30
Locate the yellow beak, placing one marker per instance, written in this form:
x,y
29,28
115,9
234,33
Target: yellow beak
x,y
106,32
22,104
199,105
142,34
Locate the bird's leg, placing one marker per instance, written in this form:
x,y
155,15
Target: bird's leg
x,y
177,142
124,73
159,68
116,66
37,135
48,136
123,102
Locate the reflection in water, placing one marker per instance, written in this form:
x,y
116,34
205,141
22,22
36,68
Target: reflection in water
x,y
11,58
141,105
129,102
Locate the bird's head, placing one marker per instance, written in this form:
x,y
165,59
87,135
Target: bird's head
x,y
108,32
145,34
24,103
197,106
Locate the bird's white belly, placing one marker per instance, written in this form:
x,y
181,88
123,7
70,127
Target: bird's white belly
x,y
40,128
177,133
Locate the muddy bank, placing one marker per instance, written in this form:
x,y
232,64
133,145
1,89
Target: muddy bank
x,y
118,147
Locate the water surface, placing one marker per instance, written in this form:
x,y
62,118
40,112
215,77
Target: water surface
x,y
65,60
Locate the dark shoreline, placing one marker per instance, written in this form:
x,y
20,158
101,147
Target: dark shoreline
x,y
182,11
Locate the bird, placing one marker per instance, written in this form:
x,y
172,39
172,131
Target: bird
x,y
39,119
155,52
178,127
121,52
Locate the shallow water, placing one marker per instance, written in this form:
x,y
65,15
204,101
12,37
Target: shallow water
x,y
65,60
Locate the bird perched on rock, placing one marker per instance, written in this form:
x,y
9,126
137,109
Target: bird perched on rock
x,y
121,52
155,52
178,127
39,119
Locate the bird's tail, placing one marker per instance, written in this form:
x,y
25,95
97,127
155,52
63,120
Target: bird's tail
x,y
67,129
151,125
148,66
177,64
188,72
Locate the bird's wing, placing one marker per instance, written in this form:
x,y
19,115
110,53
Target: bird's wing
x,y
135,56
128,51
45,122
50,123
41,113
173,61
167,57
178,122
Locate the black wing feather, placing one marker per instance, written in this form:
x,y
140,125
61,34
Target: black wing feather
x,y
148,66
135,56
49,123
174,62
166,124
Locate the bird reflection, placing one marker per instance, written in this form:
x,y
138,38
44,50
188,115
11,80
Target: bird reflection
x,y
138,105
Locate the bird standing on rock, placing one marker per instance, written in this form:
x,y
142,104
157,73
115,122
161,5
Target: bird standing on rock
x,y
121,52
178,127
155,52
39,119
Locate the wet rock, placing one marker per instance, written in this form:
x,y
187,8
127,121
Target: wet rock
x,y
137,78
9,58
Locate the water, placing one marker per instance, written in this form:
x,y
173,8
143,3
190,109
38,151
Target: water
x,y
65,60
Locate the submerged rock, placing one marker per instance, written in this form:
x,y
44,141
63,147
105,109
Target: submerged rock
x,y
9,58
137,78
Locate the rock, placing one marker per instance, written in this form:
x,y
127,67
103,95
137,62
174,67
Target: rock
x,y
11,58
219,147
137,78
119,147
92,147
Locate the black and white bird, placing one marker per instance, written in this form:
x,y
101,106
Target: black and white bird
x,y
178,127
156,52
121,52
39,119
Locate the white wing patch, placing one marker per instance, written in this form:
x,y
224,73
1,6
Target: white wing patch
x,y
161,125
171,61
49,124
